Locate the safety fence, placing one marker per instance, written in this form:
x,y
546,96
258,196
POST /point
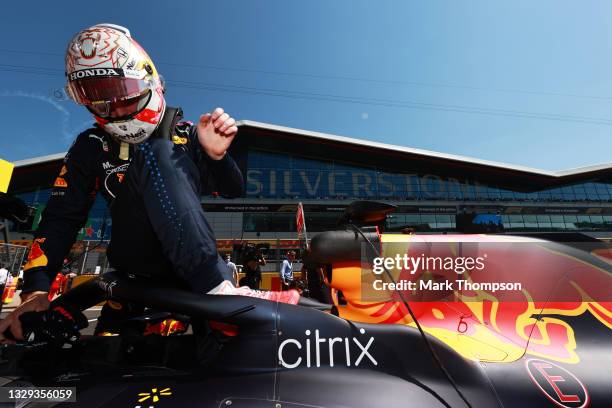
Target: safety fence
x,y
88,258
12,256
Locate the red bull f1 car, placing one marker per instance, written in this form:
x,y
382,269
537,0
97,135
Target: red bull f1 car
x,y
547,345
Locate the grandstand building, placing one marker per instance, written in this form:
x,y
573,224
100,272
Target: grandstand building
x,y
434,192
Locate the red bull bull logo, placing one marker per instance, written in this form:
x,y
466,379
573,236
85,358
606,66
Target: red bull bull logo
x,y
493,326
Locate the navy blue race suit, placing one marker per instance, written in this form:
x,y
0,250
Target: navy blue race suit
x,y
158,225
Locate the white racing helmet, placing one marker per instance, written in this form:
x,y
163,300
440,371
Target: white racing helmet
x,y
111,75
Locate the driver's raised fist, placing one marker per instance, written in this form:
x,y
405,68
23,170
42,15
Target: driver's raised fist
x,y
216,132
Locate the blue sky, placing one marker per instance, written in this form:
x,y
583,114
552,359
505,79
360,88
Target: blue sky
x,y
516,81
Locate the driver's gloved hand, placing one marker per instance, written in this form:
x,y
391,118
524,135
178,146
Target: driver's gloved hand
x,y
57,326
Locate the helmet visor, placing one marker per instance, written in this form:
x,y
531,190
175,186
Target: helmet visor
x,y
121,109
93,90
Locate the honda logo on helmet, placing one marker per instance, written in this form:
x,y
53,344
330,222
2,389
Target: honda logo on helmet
x,y
93,72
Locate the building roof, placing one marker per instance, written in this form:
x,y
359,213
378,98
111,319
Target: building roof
x,y
422,152
39,160
365,152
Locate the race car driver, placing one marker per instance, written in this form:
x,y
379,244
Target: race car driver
x,y
150,167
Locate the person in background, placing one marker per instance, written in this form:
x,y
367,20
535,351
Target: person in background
x,y
232,266
253,260
3,275
286,272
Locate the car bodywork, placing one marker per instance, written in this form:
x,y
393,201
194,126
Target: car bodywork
x,y
363,353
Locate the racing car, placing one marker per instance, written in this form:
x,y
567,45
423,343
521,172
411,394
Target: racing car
x,y
442,350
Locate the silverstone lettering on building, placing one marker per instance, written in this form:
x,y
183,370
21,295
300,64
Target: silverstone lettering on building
x,y
353,183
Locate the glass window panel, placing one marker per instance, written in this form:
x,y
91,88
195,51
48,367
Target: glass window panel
x,y
433,187
571,225
453,186
569,197
570,218
413,219
584,222
581,195
520,196
429,220
544,222
454,192
399,182
604,195
396,220
317,222
480,192
468,191
544,195
531,196
556,194
531,221
444,222
516,225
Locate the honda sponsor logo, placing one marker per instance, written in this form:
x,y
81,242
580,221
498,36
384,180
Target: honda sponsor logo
x,y
317,351
93,72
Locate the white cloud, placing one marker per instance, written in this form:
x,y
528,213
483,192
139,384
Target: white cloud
x,y
67,133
